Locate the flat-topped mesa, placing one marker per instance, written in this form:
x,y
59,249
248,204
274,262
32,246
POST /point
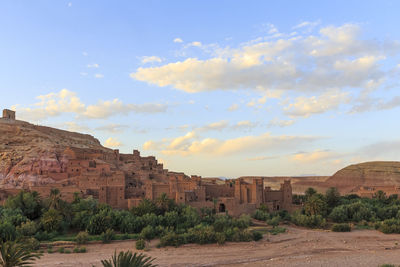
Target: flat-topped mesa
x,y
8,114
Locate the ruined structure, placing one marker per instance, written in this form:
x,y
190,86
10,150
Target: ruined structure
x,y
8,114
39,158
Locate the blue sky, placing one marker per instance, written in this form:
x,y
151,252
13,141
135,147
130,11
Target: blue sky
x,y
215,88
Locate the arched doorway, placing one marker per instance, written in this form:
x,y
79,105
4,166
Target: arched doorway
x,y
221,207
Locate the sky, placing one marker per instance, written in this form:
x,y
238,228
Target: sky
x,y
212,88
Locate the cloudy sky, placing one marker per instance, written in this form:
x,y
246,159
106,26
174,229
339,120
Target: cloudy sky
x,y
215,88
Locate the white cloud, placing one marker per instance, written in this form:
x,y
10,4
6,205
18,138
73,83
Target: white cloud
x,y
233,107
75,127
151,59
112,128
94,65
216,126
65,101
178,40
99,75
85,54
306,106
196,44
307,24
244,125
83,73
261,158
330,65
191,144
312,157
112,143
280,123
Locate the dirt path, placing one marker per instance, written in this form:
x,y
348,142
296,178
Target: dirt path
x,y
297,247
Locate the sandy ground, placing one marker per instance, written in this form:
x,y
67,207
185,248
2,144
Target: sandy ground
x,y
297,247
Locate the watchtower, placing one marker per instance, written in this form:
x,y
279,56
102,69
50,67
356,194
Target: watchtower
x,y
8,114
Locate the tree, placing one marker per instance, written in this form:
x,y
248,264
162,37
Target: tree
x,y
380,195
309,192
15,254
332,197
28,202
51,220
164,203
54,199
127,259
315,205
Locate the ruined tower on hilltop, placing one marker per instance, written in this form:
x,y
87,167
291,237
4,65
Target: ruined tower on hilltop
x,y
8,114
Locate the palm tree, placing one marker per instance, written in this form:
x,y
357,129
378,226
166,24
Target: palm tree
x,y
16,254
127,259
163,202
55,198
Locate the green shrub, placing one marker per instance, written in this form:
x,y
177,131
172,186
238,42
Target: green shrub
x,y
140,244
51,220
31,242
220,237
67,251
341,227
82,237
261,215
274,222
312,221
27,228
7,231
107,236
82,250
257,236
50,250
173,239
277,230
147,233
61,250
76,250
99,223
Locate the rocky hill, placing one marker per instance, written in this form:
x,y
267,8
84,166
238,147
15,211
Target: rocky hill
x,y
375,173
27,150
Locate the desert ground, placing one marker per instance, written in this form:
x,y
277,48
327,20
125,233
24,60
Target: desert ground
x,y
296,247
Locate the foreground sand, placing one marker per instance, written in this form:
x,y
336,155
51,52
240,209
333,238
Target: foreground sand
x,y
297,247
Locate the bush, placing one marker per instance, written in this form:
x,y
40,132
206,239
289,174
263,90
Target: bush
x,y
341,227
31,243
257,236
261,215
99,223
147,233
107,236
27,228
172,239
51,220
140,244
61,250
313,221
76,250
220,237
67,251
7,231
82,238
82,250
277,230
50,250
274,222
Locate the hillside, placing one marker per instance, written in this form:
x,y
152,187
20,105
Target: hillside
x,y
27,150
382,173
